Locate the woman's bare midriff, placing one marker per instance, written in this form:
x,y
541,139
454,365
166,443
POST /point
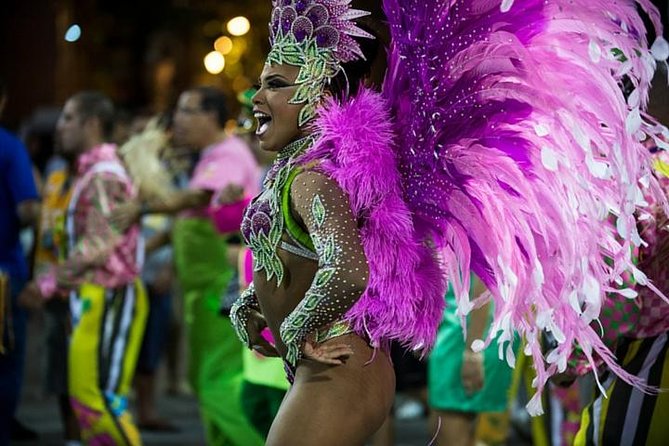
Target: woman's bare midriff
x,y
277,303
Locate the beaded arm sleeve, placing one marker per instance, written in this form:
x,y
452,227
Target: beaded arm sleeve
x,y
342,271
239,313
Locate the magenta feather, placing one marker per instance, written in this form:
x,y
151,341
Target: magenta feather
x,y
404,298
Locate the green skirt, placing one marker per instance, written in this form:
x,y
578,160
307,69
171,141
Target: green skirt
x,y
445,390
214,352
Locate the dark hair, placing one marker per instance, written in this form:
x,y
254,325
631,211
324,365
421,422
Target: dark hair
x,y
353,74
213,100
123,117
94,104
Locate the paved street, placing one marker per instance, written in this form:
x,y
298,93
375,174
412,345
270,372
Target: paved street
x,y
41,415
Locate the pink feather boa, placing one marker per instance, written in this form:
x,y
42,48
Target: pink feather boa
x,y
404,296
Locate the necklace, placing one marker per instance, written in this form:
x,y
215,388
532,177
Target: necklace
x,y
263,222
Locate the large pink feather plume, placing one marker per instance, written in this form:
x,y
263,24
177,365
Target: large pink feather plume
x,y
516,144
404,298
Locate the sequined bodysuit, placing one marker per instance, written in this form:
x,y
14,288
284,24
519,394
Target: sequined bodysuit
x,y
331,238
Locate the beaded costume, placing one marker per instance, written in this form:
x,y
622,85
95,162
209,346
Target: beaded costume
x,y
469,159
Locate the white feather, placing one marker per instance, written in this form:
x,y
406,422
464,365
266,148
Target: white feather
x,y
506,5
549,159
594,51
660,49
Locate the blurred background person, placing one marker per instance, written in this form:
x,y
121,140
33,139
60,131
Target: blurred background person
x,y
19,207
637,330
50,244
463,383
144,153
226,171
39,134
99,272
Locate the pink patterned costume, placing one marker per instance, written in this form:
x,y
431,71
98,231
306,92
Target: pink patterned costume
x,y
100,254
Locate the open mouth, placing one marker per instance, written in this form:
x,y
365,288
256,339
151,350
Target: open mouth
x,y
264,121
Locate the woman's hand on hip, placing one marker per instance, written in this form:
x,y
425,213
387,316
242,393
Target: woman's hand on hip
x,y
255,325
334,353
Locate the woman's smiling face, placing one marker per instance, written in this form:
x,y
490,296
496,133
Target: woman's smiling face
x,y
277,119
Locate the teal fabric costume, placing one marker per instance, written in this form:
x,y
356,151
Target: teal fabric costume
x,y
445,390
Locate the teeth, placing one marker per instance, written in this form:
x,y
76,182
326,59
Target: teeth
x,y
260,115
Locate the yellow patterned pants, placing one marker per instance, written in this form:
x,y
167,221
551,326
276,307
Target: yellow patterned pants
x,y
106,339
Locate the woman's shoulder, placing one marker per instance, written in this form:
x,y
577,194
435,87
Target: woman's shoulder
x,y
311,178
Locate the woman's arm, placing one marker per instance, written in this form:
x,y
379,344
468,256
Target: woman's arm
x,y
478,319
130,212
343,271
157,241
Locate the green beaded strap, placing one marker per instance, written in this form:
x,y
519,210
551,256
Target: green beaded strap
x,y
292,227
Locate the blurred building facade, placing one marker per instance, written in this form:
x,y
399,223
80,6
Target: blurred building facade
x,y
141,53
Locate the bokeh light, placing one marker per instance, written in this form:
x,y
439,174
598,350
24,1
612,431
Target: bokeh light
x,y
223,45
214,62
73,33
239,26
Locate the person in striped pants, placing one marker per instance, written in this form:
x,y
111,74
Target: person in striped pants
x,y
98,272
